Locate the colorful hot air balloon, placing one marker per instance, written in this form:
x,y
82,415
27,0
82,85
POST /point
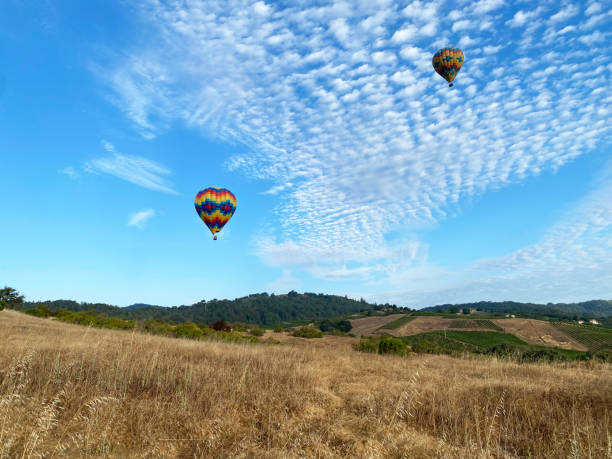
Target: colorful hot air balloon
x,y
447,62
215,206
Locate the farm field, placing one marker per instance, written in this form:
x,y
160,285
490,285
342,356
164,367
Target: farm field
x,y
368,325
539,333
483,338
593,337
397,323
69,390
531,331
475,324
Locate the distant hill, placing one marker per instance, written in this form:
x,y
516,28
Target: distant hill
x,y
585,310
267,309
141,306
259,308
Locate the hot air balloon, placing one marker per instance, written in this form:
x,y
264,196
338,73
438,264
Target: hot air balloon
x,y
447,62
215,206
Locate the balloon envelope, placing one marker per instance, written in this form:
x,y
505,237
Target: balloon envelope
x,y
215,206
447,62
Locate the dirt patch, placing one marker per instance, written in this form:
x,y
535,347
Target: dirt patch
x,y
368,325
422,324
539,332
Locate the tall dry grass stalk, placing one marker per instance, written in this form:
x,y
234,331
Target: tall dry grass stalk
x,y
70,391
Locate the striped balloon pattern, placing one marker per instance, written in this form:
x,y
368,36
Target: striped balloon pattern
x,y
215,206
447,62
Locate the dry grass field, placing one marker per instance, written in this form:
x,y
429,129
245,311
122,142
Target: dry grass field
x,y
68,390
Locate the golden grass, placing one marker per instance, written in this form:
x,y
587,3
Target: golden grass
x,y
67,390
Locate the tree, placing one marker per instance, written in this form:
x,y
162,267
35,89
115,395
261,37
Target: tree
x,y
10,298
453,309
221,325
465,310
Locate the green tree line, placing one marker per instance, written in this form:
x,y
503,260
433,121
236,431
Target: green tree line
x,y
586,310
259,308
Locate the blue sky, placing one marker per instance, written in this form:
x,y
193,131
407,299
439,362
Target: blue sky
x,y
357,170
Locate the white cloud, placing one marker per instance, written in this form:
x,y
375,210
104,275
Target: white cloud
x,y
340,29
521,17
278,188
466,41
486,6
422,11
491,49
69,171
593,8
285,283
461,25
592,38
571,262
348,110
567,29
134,169
407,33
108,146
139,219
383,57
261,8
564,14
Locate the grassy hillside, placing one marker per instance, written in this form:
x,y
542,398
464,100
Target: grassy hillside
x,y
67,390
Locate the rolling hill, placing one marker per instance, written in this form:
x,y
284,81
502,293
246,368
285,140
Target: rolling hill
x,y
259,308
584,310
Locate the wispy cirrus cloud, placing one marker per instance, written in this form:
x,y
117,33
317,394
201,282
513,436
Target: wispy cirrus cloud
x,y
340,100
139,219
284,283
69,171
571,262
134,169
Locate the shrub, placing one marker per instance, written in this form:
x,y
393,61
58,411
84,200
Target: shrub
x,y
367,345
278,329
389,345
307,332
426,346
40,311
547,355
256,331
505,350
2,305
221,325
187,330
156,327
329,326
604,355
